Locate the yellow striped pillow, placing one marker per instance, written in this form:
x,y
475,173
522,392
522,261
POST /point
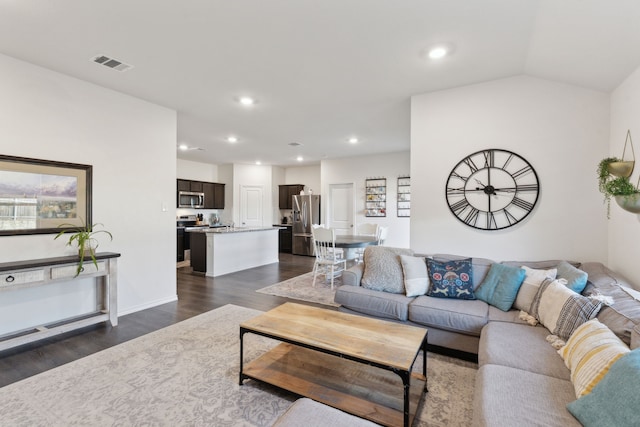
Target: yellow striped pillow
x,y
589,353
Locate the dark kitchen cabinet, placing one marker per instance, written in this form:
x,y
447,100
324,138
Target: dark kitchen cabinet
x,y
213,192
285,192
213,195
180,244
285,240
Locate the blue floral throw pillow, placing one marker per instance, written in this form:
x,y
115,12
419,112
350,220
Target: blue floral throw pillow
x,y
452,279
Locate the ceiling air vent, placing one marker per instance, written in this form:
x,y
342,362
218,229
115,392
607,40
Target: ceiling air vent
x,y
111,63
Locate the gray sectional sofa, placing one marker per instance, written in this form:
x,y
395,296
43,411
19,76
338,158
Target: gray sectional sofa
x,y
522,380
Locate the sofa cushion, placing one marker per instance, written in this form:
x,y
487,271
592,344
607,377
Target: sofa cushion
x,y
520,346
479,266
512,316
451,279
506,396
532,281
562,310
621,316
615,400
464,316
589,353
373,303
416,278
382,269
576,279
500,286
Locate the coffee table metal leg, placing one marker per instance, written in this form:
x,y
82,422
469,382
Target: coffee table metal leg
x,y
406,381
242,332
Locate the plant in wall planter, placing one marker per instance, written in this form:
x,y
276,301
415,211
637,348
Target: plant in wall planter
x,y
84,239
626,194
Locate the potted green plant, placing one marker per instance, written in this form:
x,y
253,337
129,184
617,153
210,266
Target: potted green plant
x,y
626,194
83,237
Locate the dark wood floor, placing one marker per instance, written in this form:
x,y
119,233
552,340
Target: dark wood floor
x,y
196,295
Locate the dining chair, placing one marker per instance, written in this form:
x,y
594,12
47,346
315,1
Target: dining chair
x,y
328,262
382,235
366,229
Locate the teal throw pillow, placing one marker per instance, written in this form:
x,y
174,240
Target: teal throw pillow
x,y
576,278
452,279
501,285
615,400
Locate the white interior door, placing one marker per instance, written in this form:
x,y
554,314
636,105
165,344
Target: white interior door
x,y
251,205
340,213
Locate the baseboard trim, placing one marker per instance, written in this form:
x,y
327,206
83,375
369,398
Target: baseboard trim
x,y
148,305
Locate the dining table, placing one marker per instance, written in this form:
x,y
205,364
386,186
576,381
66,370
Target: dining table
x,y
350,242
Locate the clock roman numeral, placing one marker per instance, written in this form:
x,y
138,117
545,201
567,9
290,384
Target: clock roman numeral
x,y
455,191
457,175
527,187
489,158
472,217
469,162
523,204
459,206
510,218
491,221
525,170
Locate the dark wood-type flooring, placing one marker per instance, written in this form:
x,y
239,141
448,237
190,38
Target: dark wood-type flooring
x,y
196,295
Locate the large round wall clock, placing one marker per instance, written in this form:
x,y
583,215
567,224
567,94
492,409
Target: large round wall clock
x,y
492,189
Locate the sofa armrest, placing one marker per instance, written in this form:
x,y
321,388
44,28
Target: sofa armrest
x,y
353,275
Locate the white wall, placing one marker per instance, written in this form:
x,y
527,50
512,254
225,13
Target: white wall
x,y
355,170
197,171
47,115
253,175
561,130
624,227
309,176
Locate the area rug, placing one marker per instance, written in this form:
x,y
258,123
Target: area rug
x,y
300,288
187,375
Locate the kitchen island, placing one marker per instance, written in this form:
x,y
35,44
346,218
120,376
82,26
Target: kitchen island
x,y
223,250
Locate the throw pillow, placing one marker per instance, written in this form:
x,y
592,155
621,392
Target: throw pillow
x,y
576,279
416,279
562,310
451,279
615,400
589,353
623,314
500,286
382,269
532,281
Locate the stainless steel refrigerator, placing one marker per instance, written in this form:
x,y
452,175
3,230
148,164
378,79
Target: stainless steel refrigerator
x,y
306,212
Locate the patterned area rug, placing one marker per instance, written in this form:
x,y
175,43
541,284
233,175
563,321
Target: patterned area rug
x,y
187,375
300,288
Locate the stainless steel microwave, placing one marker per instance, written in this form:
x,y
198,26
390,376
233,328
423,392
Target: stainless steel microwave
x,y
190,199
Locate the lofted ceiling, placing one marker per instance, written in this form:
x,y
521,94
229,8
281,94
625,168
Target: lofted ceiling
x,y
321,71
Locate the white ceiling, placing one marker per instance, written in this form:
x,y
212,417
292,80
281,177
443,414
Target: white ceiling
x,y
320,70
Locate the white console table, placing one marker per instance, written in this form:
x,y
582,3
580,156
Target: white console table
x,y
42,272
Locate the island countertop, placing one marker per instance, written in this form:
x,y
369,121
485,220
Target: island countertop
x,y
226,230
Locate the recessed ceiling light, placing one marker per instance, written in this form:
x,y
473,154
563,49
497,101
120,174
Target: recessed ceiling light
x,y
247,101
299,158
183,147
353,140
258,162
232,139
438,52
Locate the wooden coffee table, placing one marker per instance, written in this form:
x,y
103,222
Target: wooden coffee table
x,y
346,361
